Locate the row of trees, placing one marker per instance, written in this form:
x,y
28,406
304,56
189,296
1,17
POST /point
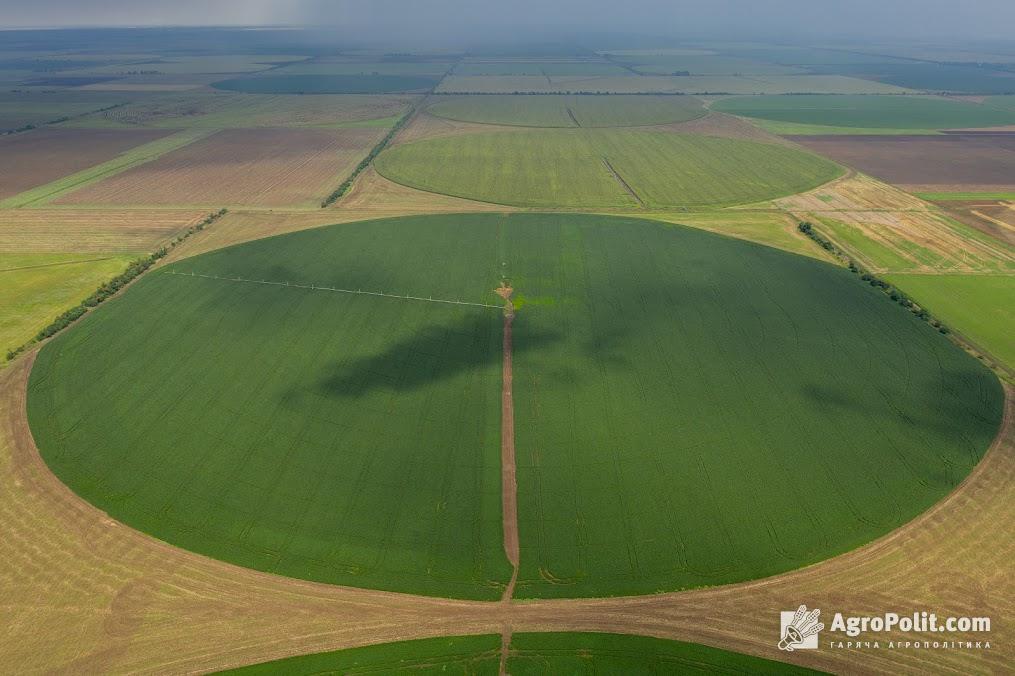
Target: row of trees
x,y
110,288
895,294
365,162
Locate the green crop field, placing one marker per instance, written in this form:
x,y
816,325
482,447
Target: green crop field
x,y
689,409
981,307
570,111
549,653
35,288
898,113
230,110
329,84
589,168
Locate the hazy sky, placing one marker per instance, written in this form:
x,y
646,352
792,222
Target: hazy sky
x,y
438,19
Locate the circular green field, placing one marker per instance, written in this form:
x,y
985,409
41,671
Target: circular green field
x,y
604,168
871,112
689,409
569,111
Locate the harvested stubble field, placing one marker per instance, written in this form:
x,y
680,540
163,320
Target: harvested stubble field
x,y
602,510
569,111
55,230
256,167
603,168
945,163
45,155
888,230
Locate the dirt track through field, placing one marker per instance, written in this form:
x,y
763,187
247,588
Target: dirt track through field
x,y
624,184
509,474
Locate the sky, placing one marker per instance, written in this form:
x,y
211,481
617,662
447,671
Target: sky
x,y
448,19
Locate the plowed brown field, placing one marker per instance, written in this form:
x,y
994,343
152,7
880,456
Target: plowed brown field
x,y
947,163
44,155
252,167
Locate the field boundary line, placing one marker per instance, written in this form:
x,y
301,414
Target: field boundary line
x,y
316,287
53,265
624,184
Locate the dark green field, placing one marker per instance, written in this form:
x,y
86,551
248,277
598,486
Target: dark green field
x,y
329,84
689,409
871,112
549,653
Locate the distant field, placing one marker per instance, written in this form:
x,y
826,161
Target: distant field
x,y
539,68
891,112
45,155
550,653
218,110
626,484
701,64
95,231
981,307
264,167
18,109
927,164
329,84
35,288
930,77
661,84
570,111
340,66
602,168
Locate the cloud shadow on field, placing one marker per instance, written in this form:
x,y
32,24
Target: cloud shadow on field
x,y
431,354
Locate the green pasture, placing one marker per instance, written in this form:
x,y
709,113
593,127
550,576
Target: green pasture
x,y
569,111
897,113
35,288
572,168
981,307
689,409
531,653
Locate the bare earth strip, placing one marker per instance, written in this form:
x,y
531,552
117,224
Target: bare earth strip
x,y
83,594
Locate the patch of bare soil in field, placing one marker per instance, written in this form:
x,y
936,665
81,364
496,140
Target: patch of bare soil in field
x,y
994,218
377,195
84,594
424,125
724,126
